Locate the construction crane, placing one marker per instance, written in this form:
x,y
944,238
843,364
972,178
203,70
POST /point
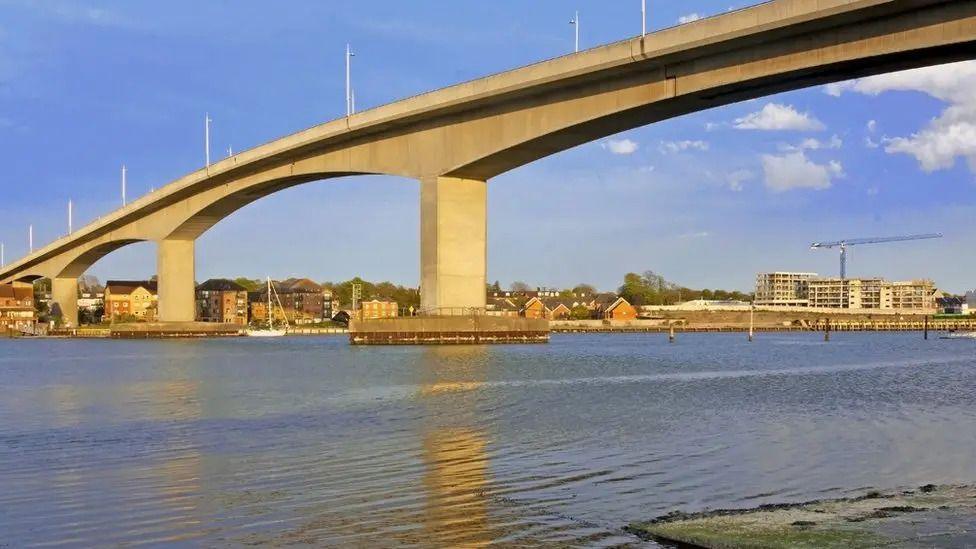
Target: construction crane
x,y
843,244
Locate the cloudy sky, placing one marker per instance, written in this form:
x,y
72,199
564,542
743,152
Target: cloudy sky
x,y
707,200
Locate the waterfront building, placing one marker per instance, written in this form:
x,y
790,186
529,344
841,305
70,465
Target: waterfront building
x,y
913,295
377,308
501,306
783,289
613,307
91,307
131,300
17,312
872,294
952,305
552,308
538,292
222,300
303,301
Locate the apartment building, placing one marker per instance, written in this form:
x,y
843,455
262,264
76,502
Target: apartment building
x,y
784,289
131,299
17,308
913,294
871,293
303,301
222,300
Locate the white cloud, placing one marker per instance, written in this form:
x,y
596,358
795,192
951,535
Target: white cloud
x,y
737,178
795,171
774,117
691,17
947,137
672,147
621,146
872,126
699,234
812,144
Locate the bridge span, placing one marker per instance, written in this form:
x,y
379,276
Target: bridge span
x,y
455,139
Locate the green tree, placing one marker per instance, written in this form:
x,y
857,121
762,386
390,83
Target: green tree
x,y
249,284
580,312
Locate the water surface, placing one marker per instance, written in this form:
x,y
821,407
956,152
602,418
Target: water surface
x,y
311,441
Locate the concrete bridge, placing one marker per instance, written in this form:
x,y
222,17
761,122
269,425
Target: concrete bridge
x,y
455,139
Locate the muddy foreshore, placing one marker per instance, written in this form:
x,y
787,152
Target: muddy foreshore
x,y
927,516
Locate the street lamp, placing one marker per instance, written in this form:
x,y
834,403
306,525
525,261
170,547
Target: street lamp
x,y
206,136
349,99
575,22
643,17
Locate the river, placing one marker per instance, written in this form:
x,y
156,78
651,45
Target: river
x,y
311,441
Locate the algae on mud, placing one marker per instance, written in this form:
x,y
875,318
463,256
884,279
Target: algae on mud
x,y
945,514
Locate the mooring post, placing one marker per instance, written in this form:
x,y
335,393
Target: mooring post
x,y
671,333
926,327
752,321
827,330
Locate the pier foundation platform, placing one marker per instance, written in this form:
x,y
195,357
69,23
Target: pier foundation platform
x,y
448,330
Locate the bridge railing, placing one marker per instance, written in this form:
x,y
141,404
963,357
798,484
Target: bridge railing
x,y
452,311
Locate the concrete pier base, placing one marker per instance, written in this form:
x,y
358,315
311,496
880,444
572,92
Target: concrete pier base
x,y
164,330
448,330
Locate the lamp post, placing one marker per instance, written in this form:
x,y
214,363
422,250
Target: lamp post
x,y
206,137
3,259
643,17
575,22
123,185
30,238
349,99
70,212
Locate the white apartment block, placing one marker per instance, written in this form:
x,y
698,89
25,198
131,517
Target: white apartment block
x,y
783,289
872,293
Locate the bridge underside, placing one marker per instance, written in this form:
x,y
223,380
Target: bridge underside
x,y
454,140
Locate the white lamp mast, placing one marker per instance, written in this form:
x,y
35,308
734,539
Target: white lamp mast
x,y
643,17
70,212
575,22
123,185
349,98
30,238
206,136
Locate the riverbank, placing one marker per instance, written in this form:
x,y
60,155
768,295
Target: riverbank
x,y
767,323
929,516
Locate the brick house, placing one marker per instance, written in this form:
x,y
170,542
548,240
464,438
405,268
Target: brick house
x,y
17,311
304,301
620,309
131,298
501,307
222,300
552,308
377,308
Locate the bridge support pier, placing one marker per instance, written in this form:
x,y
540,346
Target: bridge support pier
x,y
175,264
453,244
64,293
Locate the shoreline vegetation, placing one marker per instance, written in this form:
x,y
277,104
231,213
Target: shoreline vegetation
x,y
933,515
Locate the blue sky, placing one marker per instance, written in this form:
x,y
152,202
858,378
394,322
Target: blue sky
x,y
707,199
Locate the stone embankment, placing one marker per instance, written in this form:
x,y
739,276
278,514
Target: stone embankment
x,y
928,516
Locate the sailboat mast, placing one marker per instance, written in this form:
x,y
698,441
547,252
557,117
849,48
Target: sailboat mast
x,y
270,310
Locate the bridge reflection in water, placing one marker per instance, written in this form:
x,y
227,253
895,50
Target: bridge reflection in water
x,y
455,450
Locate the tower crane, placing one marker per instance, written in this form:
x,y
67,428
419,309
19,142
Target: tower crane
x,y
843,244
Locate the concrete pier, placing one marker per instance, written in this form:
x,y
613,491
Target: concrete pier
x,y
448,330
